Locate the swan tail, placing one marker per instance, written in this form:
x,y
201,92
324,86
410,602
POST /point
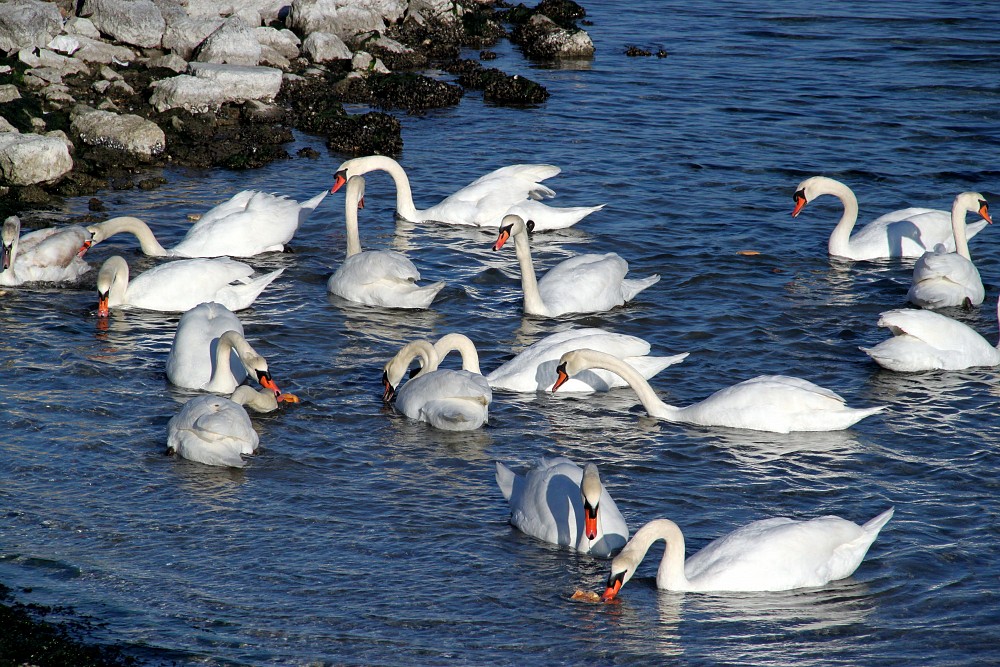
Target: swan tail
x,y
875,525
631,287
238,297
650,366
505,480
308,206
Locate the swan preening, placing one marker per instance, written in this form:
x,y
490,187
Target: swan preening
x,y
376,277
776,554
446,399
45,255
587,283
534,369
561,503
179,285
926,341
483,203
907,232
941,278
776,403
250,223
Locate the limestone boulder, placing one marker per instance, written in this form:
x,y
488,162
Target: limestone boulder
x,y
121,132
541,37
254,12
344,18
284,42
135,22
323,47
27,159
187,92
9,93
183,35
28,23
96,51
233,43
241,82
77,25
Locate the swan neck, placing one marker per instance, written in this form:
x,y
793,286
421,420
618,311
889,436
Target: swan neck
x,y
404,195
222,373
958,229
351,200
147,241
670,574
533,304
840,239
647,396
464,346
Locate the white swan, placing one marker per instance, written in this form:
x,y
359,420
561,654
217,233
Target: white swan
x,y
179,285
209,352
534,369
376,277
776,403
561,503
446,399
214,430
776,554
45,255
250,223
942,279
582,284
926,341
513,189
908,232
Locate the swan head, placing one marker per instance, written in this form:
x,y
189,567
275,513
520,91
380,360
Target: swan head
x,y
974,203
510,226
592,489
623,566
9,235
571,363
397,368
113,277
811,188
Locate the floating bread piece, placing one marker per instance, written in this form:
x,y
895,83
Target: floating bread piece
x,y
586,596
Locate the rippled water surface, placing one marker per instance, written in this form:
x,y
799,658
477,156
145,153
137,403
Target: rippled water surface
x,y
358,537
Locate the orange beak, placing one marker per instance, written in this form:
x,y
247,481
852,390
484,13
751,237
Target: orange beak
x,y
562,377
339,179
590,521
102,305
266,382
84,248
389,391
984,211
612,590
502,238
800,203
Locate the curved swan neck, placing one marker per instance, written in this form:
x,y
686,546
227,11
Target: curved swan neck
x,y
840,239
586,358
147,241
958,209
258,401
670,574
222,373
352,199
113,278
533,304
404,196
418,349
464,346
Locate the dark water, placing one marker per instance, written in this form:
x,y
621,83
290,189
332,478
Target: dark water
x,y
357,537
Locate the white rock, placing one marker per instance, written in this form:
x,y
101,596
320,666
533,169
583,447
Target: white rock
x,y
187,92
48,74
241,82
254,12
8,93
96,51
183,36
169,61
344,18
234,43
284,42
61,136
323,47
123,132
272,58
108,74
5,126
64,44
445,11
28,23
101,87
364,62
78,25
136,22
26,159
58,93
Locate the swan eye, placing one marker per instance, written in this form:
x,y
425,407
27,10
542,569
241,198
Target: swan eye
x,y
590,511
616,578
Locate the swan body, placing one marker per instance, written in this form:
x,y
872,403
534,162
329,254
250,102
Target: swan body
x,y
483,203
209,352
376,277
249,224
445,399
180,285
908,232
941,278
776,403
776,554
45,255
582,284
534,369
561,503
927,341
214,430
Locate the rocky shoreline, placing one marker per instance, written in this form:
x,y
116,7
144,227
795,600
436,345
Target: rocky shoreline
x,y
95,93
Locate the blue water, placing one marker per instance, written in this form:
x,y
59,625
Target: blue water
x,y
358,537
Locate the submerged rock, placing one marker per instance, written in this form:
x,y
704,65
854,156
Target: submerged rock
x,y
541,37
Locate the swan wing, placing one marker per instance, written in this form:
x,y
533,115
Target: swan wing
x,y
266,223
923,340
192,352
454,400
212,430
180,285
584,284
382,278
942,279
50,255
934,329
547,218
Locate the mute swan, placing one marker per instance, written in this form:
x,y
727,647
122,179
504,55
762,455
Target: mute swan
x,y
942,279
209,352
45,255
250,223
482,203
446,399
908,232
214,430
927,341
776,403
376,277
179,285
581,284
778,554
534,369
562,503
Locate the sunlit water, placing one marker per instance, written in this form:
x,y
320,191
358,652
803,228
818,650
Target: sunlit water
x,y
358,537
